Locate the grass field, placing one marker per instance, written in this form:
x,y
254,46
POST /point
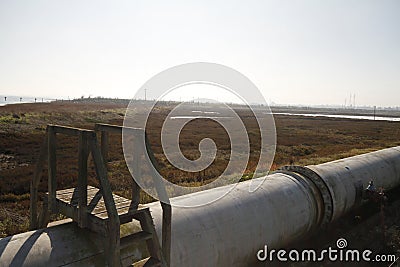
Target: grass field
x,y
301,140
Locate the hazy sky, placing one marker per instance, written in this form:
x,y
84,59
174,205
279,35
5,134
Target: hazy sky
x,y
301,52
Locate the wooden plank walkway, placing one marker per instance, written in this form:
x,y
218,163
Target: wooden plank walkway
x,y
67,203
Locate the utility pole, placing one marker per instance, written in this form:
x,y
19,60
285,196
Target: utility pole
x,y
374,112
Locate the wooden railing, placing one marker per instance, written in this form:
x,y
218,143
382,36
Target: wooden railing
x,y
87,144
138,133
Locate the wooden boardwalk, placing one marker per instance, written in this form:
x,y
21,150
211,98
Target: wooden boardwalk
x,y
96,209
67,203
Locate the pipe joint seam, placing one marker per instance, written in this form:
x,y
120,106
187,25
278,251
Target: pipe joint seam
x,y
322,188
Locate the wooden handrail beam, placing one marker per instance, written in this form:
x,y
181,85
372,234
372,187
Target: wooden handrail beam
x,y
116,128
72,131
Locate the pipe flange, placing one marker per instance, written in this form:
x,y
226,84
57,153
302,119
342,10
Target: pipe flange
x,y
321,185
316,195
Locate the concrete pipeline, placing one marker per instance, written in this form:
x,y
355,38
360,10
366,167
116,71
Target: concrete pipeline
x,y
288,205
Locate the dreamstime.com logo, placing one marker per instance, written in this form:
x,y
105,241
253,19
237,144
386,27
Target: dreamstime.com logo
x,y
340,253
230,82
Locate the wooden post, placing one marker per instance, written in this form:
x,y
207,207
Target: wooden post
x,y
135,196
104,146
51,161
113,236
136,157
166,231
44,216
33,220
82,178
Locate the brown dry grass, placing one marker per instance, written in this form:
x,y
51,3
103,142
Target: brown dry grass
x,y
304,140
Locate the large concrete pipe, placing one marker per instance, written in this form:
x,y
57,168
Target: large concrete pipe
x,y
229,232
61,244
287,206
346,179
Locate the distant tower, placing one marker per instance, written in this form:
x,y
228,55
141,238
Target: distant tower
x,y
350,101
5,99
